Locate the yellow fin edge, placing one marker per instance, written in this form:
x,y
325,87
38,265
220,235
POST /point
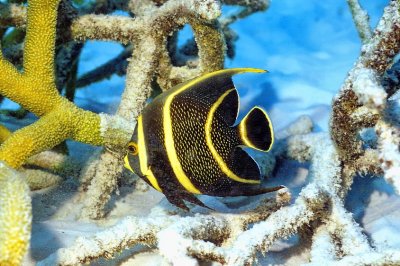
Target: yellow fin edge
x,y
243,131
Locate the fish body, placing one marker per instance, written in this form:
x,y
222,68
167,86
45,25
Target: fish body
x,y
185,141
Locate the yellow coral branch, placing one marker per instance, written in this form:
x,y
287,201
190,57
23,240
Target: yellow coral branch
x,y
35,90
40,39
39,55
4,133
65,121
15,216
10,78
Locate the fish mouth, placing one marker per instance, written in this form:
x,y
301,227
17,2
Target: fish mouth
x,y
127,165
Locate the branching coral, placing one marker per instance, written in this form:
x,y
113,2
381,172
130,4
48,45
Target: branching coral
x,y
160,228
4,133
361,20
15,216
231,238
389,154
362,100
35,90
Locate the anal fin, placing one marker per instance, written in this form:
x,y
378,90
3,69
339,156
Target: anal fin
x,y
252,191
178,199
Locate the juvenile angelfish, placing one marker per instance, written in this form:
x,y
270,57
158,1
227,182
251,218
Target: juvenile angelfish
x,y
185,141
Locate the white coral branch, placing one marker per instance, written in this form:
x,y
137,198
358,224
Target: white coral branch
x,y
361,19
341,225
389,154
368,89
126,233
159,228
323,247
384,257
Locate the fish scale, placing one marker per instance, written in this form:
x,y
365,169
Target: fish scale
x,y
190,144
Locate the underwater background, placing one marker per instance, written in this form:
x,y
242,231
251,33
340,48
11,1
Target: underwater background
x,y
308,47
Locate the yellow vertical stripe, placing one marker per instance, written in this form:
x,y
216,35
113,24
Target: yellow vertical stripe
x,y
144,168
243,133
221,163
167,124
170,147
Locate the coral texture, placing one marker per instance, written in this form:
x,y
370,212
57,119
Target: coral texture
x,y
15,216
151,59
35,90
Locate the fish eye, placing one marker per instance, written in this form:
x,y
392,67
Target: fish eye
x,y
133,148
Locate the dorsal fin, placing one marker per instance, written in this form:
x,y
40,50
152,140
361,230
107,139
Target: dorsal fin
x,y
209,87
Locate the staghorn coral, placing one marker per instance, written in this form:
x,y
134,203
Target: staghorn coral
x,y
4,133
15,216
35,90
389,154
362,100
361,20
159,228
317,214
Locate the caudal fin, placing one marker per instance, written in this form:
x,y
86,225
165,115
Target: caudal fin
x,y
255,130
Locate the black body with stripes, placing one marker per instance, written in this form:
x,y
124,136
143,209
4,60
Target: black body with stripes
x,y
192,146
